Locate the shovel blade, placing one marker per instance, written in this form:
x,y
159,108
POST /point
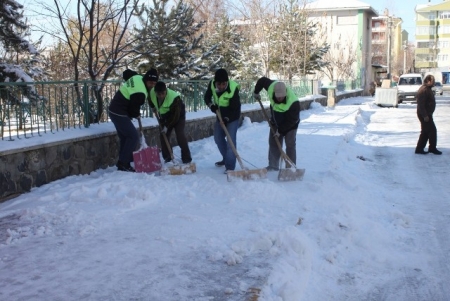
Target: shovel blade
x,y
179,169
291,174
147,160
247,174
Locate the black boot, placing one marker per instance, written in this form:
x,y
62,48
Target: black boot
x,y
124,167
220,163
435,151
421,152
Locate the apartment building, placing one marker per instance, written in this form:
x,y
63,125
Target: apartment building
x,y
387,45
348,31
433,39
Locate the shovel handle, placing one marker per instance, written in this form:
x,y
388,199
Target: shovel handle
x,y
283,154
230,141
140,124
143,143
166,140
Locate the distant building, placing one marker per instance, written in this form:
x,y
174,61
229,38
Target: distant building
x,y
348,30
387,42
433,39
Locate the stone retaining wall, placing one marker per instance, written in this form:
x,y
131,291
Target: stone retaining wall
x,y
41,164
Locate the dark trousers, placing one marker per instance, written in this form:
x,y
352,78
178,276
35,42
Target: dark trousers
x,y
128,137
274,152
181,140
428,133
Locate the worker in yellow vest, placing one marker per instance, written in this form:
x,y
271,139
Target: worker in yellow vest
x,y
223,94
172,116
284,116
126,105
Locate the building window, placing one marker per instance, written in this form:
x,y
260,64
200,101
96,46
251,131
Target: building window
x,y
378,36
444,15
432,16
442,57
427,44
444,29
422,30
346,20
378,25
425,58
443,44
422,44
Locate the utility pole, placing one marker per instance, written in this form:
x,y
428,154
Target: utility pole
x,y
389,25
405,48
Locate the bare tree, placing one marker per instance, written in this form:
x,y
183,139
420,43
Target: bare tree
x,y
207,11
96,37
341,59
297,51
259,19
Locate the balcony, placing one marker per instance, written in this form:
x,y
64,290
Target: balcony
x,y
425,51
426,64
427,23
379,29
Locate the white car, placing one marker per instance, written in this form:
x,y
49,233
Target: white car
x,y
437,89
408,85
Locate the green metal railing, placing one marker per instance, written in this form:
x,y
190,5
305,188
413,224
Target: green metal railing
x,y
33,109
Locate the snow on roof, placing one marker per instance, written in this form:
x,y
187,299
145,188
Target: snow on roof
x,y
321,4
333,5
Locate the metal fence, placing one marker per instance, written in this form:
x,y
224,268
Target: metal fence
x,y
30,109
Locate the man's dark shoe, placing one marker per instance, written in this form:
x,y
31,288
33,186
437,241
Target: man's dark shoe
x,y
421,152
125,167
186,161
220,163
435,151
167,160
270,168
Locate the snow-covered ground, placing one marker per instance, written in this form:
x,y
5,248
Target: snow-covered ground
x,y
369,221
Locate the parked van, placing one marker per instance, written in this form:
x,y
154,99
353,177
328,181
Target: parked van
x,y
408,85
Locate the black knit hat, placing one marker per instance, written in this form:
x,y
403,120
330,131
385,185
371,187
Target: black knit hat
x,y
160,87
151,75
221,75
128,73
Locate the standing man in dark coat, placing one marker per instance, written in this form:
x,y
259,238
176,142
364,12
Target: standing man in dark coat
x,y
426,104
223,94
172,116
285,117
126,105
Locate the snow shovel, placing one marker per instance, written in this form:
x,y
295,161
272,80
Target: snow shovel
x,y
285,174
146,159
245,173
176,169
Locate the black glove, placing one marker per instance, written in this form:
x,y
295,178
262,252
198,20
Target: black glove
x,y
225,120
213,108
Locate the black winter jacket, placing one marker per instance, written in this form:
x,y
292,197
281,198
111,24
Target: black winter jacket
x,y
426,102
